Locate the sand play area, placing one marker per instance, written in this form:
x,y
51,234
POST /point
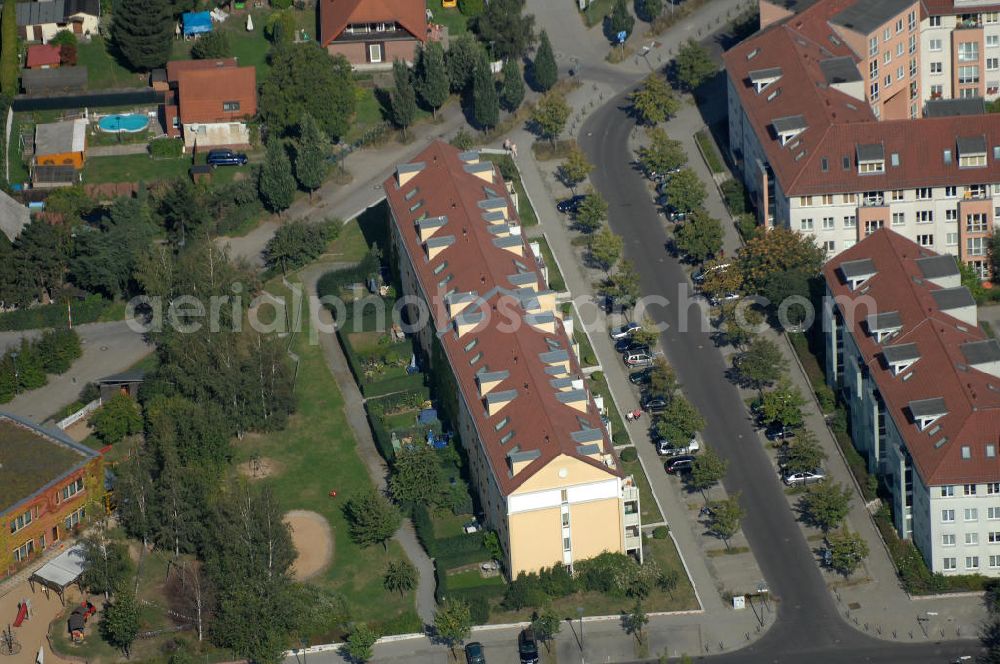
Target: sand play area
x,y
313,540
258,468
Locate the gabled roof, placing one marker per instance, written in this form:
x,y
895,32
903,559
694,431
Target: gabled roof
x,y
176,67
203,93
335,15
939,380
54,11
42,54
515,351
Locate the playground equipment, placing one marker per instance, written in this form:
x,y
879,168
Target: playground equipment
x,y
22,612
9,645
78,620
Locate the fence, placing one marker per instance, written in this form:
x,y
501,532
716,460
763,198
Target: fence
x,y
67,422
87,100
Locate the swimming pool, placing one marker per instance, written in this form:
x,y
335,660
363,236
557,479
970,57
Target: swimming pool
x,y
129,123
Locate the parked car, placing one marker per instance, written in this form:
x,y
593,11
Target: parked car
x,y
623,331
699,276
676,216
805,477
679,464
640,377
527,647
474,653
627,345
218,158
570,205
637,359
654,404
669,449
716,300
776,432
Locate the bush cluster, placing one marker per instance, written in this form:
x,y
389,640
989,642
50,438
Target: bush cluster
x,y
26,367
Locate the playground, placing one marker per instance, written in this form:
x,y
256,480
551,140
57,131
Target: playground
x,y
30,634
313,541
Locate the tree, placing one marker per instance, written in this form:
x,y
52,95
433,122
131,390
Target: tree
x,y
662,379
647,335
635,620
700,237
654,101
740,328
778,287
453,622
707,471
277,184
804,453
724,517
403,99
116,419
40,257
762,363
134,491
592,212
361,642
622,286
211,46
783,406
120,620
505,26
693,64
371,518
649,10
620,20
431,75
512,87
778,251
463,54
280,27
605,248
297,242
826,505
685,191
105,258
994,253
546,625
550,116
400,576
663,154
544,71
106,565
143,32
183,211
311,151
847,550
485,102
679,422
417,477
63,38
305,78
575,168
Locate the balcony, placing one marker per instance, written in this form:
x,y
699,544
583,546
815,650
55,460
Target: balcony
x,y
630,500
873,201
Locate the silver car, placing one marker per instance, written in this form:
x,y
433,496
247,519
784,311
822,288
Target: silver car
x,y
805,477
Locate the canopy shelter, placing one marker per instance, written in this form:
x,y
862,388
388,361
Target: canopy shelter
x,y
196,23
61,572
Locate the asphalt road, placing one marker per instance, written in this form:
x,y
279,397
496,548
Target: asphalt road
x,y
809,627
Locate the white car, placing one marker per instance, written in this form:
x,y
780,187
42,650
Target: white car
x,y
805,477
699,276
626,330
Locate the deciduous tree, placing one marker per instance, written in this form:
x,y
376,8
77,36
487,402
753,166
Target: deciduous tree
x,y
546,625
453,622
685,191
403,97
432,75
550,116
620,20
592,213
544,71
117,418
847,550
662,379
804,453
512,87
605,248
707,471
783,405
724,517
106,565
120,620
700,236
693,64
361,642
213,45
762,363
416,476
143,32
400,576
679,422
622,286
372,519
463,54
635,620
648,334
305,78
826,505
649,10
778,251
575,168
663,154
654,101
277,184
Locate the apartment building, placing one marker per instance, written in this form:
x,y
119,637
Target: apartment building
x,y
922,383
829,131
541,460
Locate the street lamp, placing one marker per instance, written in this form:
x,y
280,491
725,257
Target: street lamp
x,y
579,611
13,356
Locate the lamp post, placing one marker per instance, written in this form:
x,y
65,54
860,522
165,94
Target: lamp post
x,y
13,356
579,611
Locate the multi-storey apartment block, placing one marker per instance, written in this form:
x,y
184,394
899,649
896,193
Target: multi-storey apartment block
x,y
848,116
922,383
541,459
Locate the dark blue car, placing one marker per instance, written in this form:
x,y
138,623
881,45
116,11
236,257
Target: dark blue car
x,y
225,158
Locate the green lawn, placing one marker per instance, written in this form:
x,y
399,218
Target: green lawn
x,y
587,356
136,167
455,20
447,524
319,454
599,386
18,169
648,510
707,145
556,281
103,70
472,579
595,13
350,246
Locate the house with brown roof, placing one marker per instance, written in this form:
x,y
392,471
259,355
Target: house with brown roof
x,y
922,382
371,34
43,56
824,106
209,102
540,456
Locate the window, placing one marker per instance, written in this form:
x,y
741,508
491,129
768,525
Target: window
x,y
937,91
887,57
925,240
871,167
935,45
991,18
992,41
850,221
888,79
972,562
992,64
229,106
975,246
971,539
951,214
374,52
900,72
991,451
951,239
972,161
805,201
72,489
994,561
966,452
873,225
566,544
950,564
563,496
824,164
565,519
887,34
22,552
948,540
993,537
873,46
993,513
805,224
828,199
968,74
828,224
74,518
898,219
899,26
975,223
924,193
947,516
830,246
947,491
935,21
950,192
968,52
936,68
873,69
873,91
900,49
925,216
971,514
20,522
851,198
913,44
911,20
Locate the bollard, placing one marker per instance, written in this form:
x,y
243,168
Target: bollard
x,y
748,636
866,627
856,621
721,647
758,629
958,631
893,633
911,633
878,628
942,633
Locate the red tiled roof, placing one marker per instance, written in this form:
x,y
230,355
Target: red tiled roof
x,y
944,7
836,123
40,55
473,263
202,93
971,396
175,67
335,15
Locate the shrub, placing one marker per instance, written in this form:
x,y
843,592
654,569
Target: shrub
x,y
463,140
660,532
735,196
746,224
826,398
63,38
479,609
839,420
281,4
556,581
604,573
166,148
470,7
629,455
524,591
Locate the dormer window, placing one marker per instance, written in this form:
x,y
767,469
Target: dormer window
x,y
787,128
900,357
857,272
230,106
926,412
761,78
871,159
884,325
971,152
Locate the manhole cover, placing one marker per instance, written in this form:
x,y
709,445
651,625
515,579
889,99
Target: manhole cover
x,y
854,606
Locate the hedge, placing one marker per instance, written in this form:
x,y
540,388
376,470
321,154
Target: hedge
x,y
8,49
54,315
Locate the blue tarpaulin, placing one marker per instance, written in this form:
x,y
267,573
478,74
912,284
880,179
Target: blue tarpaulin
x,y
427,416
196,23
